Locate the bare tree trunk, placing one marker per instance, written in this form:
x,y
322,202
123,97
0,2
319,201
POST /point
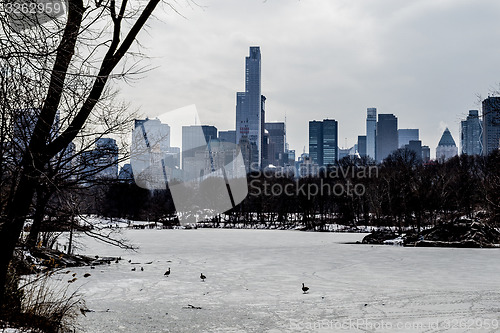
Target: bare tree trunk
x,y
13,224
42,198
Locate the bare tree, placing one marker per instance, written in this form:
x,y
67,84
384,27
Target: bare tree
x,y
64,64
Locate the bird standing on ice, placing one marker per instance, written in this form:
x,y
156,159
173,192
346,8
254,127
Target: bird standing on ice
x,y
202,277
167,273
304,288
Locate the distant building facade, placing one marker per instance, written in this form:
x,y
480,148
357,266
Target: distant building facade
x,y
406,135
194,139
415,146
426,154
264,141
249,107
291,156
227,136
371,132
470,134
102,162
23,125
387,136
316,142
362,145
126,173
154,137
330,142
446,148
344,152
306,167
157,132
276,145
491,124
323,142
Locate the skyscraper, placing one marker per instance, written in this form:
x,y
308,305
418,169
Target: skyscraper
x,y
101,162
158,133
491,124
371,132
276,147
249,106
446,148
323,142
470,134
263,140
362,145
387,136
227,136
330,142
195,139
24,122
416,146
107,158
406,135
426,154
316,142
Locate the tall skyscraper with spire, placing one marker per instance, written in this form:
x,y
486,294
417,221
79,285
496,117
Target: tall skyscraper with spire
x,y
249,107
371,131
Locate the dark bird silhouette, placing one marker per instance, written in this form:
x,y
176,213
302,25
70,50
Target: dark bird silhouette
x,y
304,288
202,277
133,269
167,273
142,269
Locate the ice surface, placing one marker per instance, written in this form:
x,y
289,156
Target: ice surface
x,y
254,280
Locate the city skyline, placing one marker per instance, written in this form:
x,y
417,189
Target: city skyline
x,y
424,62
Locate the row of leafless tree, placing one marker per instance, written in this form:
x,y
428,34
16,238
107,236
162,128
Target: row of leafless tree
x,y
405,194
401,192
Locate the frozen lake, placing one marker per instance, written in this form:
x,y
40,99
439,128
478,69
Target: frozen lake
x,y
254,280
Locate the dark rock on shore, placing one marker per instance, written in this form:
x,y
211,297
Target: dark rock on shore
x,y
39,259
379,236
461,233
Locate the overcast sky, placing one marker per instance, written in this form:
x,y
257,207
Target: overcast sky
x,y
423,60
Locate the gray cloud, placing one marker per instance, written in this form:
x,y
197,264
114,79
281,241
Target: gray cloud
x,y
423,60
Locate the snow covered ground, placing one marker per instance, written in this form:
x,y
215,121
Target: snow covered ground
x,y
254,280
